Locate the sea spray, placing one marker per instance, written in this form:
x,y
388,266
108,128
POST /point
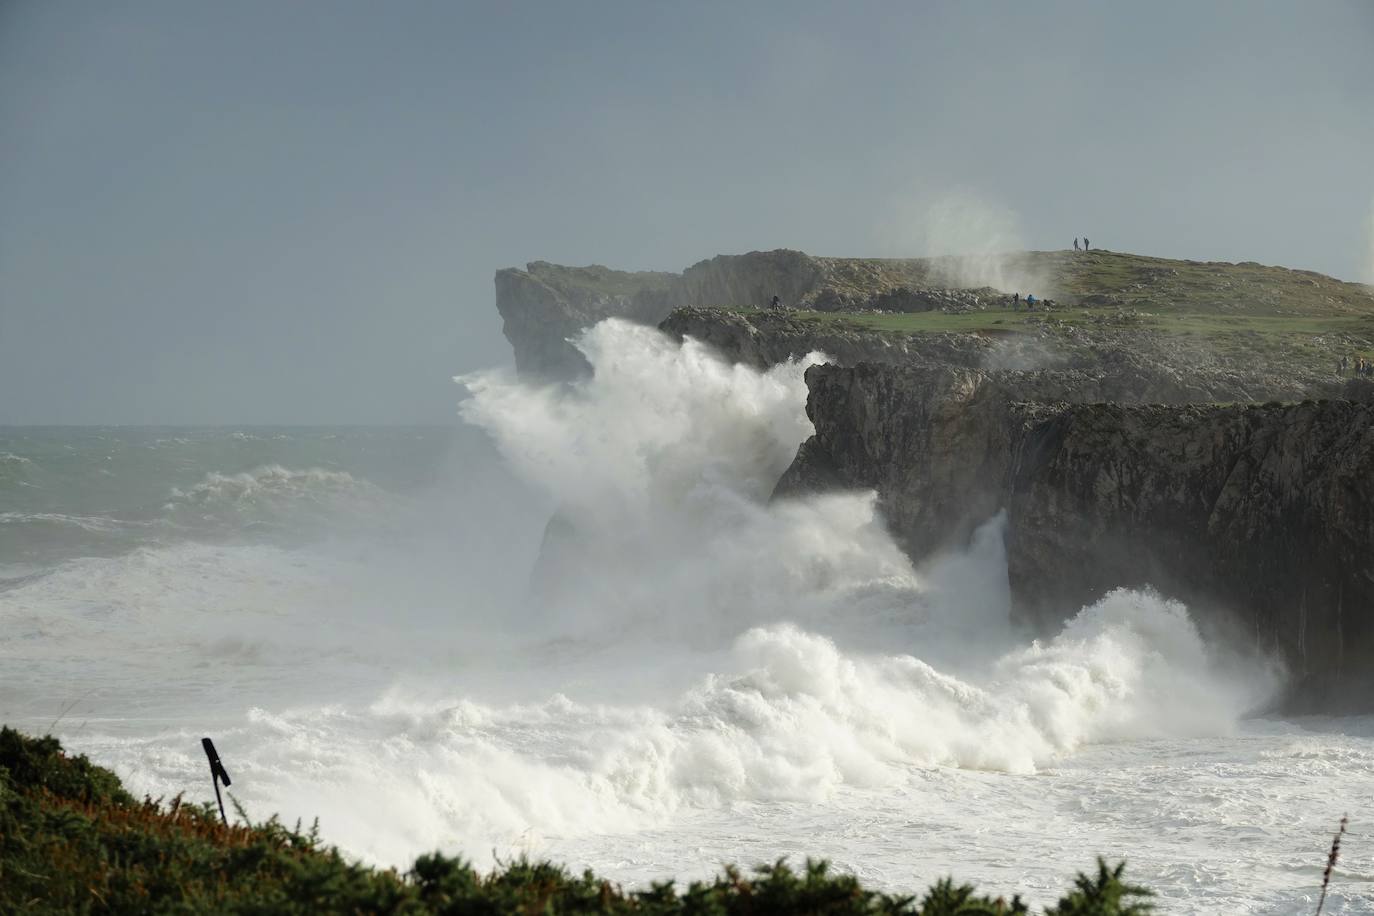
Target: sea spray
x,y
662,464
657,424
720,677
788,716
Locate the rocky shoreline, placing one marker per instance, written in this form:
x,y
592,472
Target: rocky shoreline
x,y
1123,452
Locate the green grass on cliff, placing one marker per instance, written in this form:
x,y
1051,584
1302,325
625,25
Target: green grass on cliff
x,y
1211,287
1291,319
72,840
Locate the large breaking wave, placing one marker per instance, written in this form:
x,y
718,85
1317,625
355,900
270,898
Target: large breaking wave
x,y
693,646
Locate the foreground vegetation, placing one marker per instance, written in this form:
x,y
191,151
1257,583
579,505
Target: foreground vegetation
x,y
72,840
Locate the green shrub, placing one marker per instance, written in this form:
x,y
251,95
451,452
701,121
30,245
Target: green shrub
x,y
72,840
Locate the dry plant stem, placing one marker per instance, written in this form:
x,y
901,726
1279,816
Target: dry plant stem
x,y
1331,859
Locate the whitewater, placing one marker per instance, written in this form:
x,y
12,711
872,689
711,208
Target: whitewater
x,y
577,626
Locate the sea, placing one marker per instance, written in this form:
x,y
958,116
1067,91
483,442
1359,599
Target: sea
x,y
573,624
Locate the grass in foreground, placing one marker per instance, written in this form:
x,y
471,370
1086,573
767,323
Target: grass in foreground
x,y
72,840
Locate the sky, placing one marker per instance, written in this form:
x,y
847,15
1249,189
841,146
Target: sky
x,y
266,212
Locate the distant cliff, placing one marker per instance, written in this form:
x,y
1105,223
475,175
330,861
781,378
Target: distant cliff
x,y
1192,426
545,304
1279,329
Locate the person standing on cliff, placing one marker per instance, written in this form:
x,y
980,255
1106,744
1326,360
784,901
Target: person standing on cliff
x,y
1075,243
1085,243
775,304
1016,302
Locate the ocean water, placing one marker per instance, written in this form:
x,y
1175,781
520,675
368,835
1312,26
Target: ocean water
x,y
695,675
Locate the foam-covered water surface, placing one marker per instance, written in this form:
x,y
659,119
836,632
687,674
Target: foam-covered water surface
x,y
694,675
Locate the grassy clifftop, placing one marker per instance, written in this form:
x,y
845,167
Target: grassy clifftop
x,y
72,840
1245,317
1118,279
1089,279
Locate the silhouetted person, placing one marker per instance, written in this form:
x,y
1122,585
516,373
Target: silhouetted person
x,y
1016,302
1075,243
775,304
1085,243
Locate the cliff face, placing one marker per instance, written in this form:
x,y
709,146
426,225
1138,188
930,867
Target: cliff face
x,y
1260,515
1132,367
1274,332
1112,425
764,339
544,305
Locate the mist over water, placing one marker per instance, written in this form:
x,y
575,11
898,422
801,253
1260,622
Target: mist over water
x,y
696,674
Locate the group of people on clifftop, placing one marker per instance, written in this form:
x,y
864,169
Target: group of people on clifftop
x,y
1363,368
1085,244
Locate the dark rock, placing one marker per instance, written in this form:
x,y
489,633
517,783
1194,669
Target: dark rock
x,y
1256,515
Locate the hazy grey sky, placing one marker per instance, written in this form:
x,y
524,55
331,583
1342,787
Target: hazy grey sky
x,y
240,212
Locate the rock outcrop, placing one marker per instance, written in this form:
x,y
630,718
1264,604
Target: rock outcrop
x,y
546,304
1261,516
1178,424
1094,365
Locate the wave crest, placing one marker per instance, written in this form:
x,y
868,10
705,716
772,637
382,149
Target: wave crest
x,y
274,495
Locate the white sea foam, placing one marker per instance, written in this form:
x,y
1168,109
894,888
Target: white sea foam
x,y
95,524
273,495
720,678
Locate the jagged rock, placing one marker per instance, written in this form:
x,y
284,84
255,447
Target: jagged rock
x,y
1262,515
768,338
1124,452
1109,365
546,304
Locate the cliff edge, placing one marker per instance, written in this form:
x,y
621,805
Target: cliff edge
x,y
1259,517
1194,427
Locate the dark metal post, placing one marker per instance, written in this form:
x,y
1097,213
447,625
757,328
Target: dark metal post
x,y
217,773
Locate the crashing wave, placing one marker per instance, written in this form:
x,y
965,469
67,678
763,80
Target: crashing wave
x,y
275,495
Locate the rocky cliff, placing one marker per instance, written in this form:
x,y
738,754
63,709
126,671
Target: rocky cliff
x,y
1276,332
1179,424
1261,516
1136,366
545,304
